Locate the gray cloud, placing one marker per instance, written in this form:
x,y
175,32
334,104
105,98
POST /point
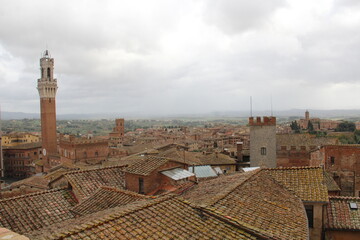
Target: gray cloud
x,y
181,57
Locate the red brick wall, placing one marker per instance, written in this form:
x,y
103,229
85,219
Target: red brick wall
x,y
19,162
151,182
48,125
343,161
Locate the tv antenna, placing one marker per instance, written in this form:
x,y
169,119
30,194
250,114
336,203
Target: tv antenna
x,y
250,106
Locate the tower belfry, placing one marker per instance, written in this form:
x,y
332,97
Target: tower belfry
x,y
47,87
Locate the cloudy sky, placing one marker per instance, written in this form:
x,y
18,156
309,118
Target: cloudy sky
x,y
188,56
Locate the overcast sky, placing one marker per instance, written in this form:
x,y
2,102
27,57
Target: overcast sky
x,y
185,56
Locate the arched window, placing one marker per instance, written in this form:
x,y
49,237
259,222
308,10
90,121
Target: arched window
x,y
48,72
42,72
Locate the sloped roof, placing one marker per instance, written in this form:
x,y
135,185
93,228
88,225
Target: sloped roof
x,y
340,216
163,218
177,173
146,165
203,171
255,201
208,192
104,198
33,211
34,181
330,182
88,181
306,182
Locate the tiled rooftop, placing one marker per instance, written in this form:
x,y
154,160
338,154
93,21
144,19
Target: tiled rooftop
x,y
86,182
33,211
147,165
306,182
255,201
340,216
208,192
34,181
106,197
163,218
330,182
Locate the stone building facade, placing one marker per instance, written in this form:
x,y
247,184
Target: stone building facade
x,y
263,142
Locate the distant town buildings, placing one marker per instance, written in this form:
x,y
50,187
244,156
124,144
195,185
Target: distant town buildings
x,y
317,123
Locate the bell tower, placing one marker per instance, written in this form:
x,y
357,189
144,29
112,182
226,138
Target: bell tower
x,y
47,87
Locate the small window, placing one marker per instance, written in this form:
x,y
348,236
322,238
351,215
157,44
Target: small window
x,y
263,151
283,148
293,148
310,215
303,148
141,185
332,160
353,205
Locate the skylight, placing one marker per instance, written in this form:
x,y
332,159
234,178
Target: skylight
x,y
353,205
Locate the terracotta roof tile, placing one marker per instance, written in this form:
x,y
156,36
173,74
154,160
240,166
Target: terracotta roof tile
x,y
256,202
340,216
86,182
106,197
146,165
33,211
208,192
163,218
34,181
306,182
330,182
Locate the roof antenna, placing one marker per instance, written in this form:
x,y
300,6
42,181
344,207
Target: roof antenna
x,y
251,106
271,105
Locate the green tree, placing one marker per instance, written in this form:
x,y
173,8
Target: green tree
x,y
295,127
346,127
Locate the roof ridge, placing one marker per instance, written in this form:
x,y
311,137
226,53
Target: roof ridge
x,y
100,221
90,170
33,194
292,168
343,198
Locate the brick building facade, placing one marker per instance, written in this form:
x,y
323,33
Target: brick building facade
x,y
343,163
76,150
19,161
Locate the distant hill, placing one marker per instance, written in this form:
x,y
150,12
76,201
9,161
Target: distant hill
x,y
294,113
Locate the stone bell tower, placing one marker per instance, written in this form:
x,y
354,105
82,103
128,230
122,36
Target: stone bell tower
x,y
47,87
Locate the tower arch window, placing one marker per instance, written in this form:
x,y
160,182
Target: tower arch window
x,y
48,72
42,72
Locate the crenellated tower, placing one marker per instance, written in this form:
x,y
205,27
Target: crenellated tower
x,y
47,87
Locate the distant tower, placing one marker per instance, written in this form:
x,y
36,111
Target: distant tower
x,y
117,135
263,142
307,115
47,87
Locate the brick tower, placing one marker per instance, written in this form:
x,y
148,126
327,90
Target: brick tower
x,y
117,135
47,87
263,142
